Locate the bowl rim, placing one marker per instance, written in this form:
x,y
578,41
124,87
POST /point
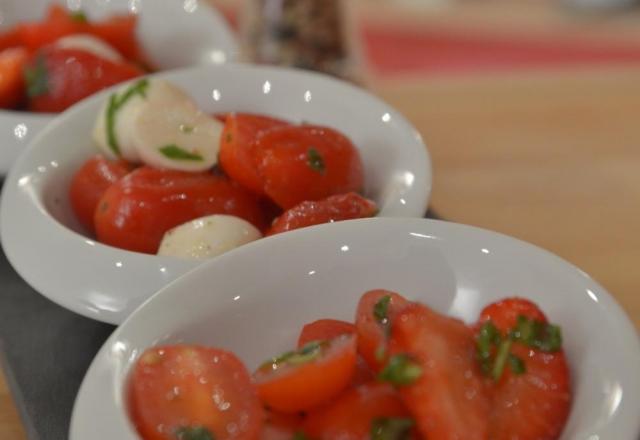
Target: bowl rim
x,y
607,303
12,200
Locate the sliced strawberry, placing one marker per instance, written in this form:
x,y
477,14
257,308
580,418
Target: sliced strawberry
x,y
437,373
533,402
353,415
12,62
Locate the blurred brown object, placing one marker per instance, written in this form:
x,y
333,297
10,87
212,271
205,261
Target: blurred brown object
x,y
308,34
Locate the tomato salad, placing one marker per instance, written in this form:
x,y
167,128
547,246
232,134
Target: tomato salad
x,y
49,65
176,181
401,371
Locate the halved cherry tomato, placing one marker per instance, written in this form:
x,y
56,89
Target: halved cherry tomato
x,y
332,209
90,182
135,212
58,78
306,162
179,391
237,143
434,364
540,393
324,329
374,316
307,378
12,62
355,413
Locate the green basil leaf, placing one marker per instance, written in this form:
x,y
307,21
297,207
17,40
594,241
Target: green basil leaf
x,y
315,160
176,153
391,428
116,103
194,433
37,77
78,16
400,370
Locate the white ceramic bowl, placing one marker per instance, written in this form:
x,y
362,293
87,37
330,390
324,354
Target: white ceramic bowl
x,y
41,236
255,299
173,33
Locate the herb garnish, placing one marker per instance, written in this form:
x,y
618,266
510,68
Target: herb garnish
x,y
116,103
299,435
315,160
172,151
391,428
400,370
306,353
194,433
78,16
187,129
494,349
37,77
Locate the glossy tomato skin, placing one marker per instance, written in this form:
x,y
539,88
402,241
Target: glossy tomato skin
x,y
237,145
323,329
350,416
12,62
293,388
332,209
89,184
135,212
174,387
58,78
307,162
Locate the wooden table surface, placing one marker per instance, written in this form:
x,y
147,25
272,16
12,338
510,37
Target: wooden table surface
x,y
550,158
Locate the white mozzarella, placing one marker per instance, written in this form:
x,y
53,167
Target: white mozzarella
x,y
177,137
91,44
157,94
207,237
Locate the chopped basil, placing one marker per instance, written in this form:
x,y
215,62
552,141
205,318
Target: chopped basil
x,y
194,433
315,160
400,370
116,103
78,16
391,428
306,353
380,353
501,359
381,308
298,435
516,364
174,152
488,336
37,77
537,334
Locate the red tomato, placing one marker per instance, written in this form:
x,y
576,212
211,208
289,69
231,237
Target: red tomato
x,y
373,328
541,394
189,389
324,329
281,426
332,209
10,38
12,62
448,398
309,377
89,184
237,143
58,78
119,31
306,162
135,212
352,415
58,23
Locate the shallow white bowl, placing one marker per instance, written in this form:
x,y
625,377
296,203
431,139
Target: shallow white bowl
x,y
173,33
254,301
41,236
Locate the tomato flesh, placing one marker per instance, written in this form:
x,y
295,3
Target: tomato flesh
x,y
179,387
